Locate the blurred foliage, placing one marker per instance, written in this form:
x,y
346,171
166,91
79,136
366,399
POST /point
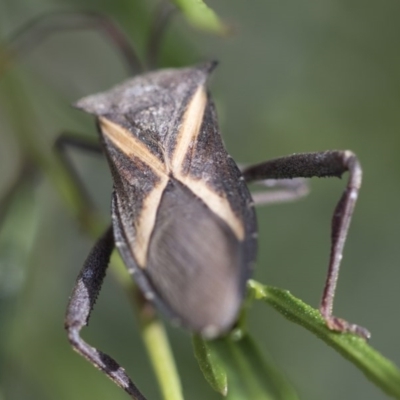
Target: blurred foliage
x,y
295,76
201,16
239,371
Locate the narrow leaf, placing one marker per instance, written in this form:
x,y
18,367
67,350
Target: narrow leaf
x,y
210,365
249,375
265,370
376,367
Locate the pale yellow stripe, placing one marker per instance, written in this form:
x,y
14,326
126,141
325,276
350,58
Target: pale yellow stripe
x,y
130,145
146,222
190,128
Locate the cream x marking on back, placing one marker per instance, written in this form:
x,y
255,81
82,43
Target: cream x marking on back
x,y
130,145
185,142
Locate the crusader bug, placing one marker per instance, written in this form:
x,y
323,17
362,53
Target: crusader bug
x,y
183,218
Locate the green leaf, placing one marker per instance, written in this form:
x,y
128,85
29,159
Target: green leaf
x,y
265,370
210,365
376,367
249,375
201,16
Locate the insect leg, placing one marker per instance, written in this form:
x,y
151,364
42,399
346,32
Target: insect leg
x,y
77,141
45,25
84,295
281,191
323,164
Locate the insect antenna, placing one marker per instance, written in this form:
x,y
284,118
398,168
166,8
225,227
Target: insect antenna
x,y
163,14
45,25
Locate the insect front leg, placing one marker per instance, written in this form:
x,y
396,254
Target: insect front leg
x,y
161,18
323,164
81,303
83,207
69,140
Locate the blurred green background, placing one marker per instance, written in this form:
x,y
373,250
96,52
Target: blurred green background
x,y
295,76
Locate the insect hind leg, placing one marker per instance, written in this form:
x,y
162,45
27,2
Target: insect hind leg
x,y
280,191
323,164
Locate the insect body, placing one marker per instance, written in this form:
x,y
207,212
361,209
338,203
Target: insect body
x,y
183,219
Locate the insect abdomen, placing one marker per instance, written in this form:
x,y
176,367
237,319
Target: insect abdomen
x,y
194,262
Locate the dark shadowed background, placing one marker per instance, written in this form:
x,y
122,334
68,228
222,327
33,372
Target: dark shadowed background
x,y
295,76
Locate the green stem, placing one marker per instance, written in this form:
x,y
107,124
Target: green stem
x,y
155,339
153,334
